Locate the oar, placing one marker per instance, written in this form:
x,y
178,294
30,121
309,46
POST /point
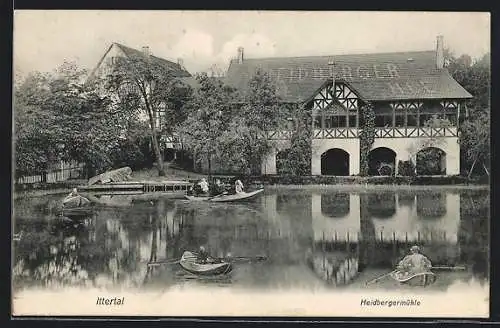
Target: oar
x,y
448,268
219,195
163,263
246,258
380,277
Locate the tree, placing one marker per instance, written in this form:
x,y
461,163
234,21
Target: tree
x,y
261,114
475,77
138,83
59,117
297,160
209,115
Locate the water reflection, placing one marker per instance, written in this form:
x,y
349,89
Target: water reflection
x,y
312,239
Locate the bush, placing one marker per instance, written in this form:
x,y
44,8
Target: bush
x,y
406,168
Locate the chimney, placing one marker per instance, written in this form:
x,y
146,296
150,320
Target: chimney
x,y
240,55
439,52
180,62
146,51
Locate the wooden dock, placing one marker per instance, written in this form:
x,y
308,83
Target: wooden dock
x,y
144,186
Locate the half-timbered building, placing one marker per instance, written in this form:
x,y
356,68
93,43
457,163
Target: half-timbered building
x,y
409,92
117,50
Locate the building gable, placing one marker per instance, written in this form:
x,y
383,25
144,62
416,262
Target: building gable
x,y
118,50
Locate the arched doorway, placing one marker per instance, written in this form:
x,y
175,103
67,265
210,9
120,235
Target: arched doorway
x,y
431,161
335,161
381,161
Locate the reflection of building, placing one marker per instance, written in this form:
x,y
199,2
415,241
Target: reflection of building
x,y
340,226
392,222
417,106
410,224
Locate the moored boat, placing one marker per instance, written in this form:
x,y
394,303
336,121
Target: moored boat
x,y
78,201
422,278
226,197
75,206
189,263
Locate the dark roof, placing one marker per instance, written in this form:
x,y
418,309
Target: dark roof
x,y
375,77
178,70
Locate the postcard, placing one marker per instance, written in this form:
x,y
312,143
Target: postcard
x,y
251,163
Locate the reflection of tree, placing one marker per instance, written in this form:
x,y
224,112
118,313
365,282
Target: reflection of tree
x,y
431,205
475,231
51,257
382,205
335,205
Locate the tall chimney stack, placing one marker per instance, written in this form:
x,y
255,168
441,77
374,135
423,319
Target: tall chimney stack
x,y
146,51
439,52
180,62
240,55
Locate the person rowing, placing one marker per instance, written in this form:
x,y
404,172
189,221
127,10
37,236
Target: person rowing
x,y
415,262
204,258
202,255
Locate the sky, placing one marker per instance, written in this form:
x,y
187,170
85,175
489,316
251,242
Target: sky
x,y
44,39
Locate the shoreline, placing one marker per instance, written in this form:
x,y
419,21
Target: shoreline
x,y
343,187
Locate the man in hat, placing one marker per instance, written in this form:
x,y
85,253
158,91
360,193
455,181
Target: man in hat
x,y
202,255
414,262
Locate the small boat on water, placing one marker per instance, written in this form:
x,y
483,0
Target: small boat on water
x,y
189,263
423,278
76,206
226,197
77,201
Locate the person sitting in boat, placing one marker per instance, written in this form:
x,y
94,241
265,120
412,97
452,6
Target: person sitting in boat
x,y
204,185
238,186
202,255
414,262
217,188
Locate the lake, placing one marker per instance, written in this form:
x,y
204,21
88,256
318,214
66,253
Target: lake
x,y
312,239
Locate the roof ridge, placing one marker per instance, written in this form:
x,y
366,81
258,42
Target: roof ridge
x,y
139,51
342,55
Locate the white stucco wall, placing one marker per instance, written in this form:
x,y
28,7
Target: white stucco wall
x,y
319,146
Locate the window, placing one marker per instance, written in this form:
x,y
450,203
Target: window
x,y
384,120
411,119
424,118
430,111
399,120
352,121
317,122
335,121
451,116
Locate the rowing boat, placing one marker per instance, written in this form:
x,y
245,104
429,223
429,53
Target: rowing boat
x,y
75,202
226,198
423,278
217,267
76,206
